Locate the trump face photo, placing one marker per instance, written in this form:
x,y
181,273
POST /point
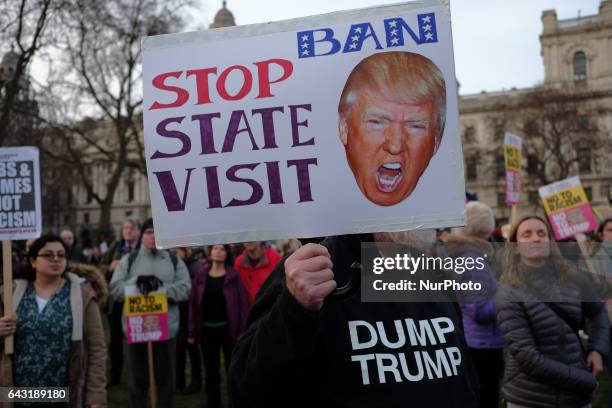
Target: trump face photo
x,y
391,119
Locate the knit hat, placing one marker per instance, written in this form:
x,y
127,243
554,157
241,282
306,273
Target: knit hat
x,y
145,226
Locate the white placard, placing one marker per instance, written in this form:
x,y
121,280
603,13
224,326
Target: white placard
x,y
20,208
249,135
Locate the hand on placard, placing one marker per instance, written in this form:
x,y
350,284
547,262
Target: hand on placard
x,y
309,275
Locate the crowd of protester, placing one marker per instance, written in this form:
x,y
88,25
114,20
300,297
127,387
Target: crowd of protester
x,y
531,347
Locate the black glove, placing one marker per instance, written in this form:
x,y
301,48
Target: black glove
x,y
148,283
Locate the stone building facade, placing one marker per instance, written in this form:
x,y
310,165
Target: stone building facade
x,y
577,57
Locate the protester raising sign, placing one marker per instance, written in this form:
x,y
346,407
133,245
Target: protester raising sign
x,y
513,146
325,125
146,316
567,208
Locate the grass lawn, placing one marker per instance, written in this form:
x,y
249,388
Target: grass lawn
x,y
602,395
118,395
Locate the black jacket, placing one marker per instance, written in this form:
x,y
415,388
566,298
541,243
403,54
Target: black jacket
x,y
545,364
350,354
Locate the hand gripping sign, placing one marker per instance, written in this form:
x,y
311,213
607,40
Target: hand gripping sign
x,y
568,208
146,316
326,125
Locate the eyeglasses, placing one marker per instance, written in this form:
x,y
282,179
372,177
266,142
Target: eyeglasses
x,y
50,255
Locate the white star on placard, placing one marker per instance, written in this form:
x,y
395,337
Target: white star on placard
x,y
304,38
393,23
305,52
393,32
304,45
427,27
357,30
394,41
355,38
426,19
429,36
353,46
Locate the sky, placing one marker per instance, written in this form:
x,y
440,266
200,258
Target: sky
x,y
496,42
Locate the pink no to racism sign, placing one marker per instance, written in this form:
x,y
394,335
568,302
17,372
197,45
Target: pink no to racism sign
x,y
146,316
568,208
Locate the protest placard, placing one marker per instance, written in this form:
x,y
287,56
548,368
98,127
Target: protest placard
x,y
146,316
325,125
568,208
20,209
513,146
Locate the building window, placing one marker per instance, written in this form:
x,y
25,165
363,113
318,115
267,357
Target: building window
x,y
86,218
89,197
532,164
471,169
501,199
500,129
129,213
582,122
531,128
470,134
580,66
66,219
604,192
130,191
500,166
534,197
589,193
584,160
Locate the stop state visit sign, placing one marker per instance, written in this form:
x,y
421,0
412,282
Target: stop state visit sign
x,y
326,125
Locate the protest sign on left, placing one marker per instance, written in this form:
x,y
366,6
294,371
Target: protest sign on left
x,y
20,205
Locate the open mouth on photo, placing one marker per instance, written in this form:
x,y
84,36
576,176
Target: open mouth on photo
x,y
388,177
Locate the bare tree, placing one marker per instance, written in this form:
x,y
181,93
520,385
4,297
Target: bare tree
x,y
101,79
24,31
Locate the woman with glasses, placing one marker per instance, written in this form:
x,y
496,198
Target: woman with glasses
x,y
59,340
543,303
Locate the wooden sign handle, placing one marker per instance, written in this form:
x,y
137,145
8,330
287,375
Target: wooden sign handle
x,y
513,214
152,387
7,281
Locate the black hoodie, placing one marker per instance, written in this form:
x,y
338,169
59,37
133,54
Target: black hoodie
x,y
350,354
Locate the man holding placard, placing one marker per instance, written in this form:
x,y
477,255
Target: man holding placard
x,y
151,269
243,146
303,350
